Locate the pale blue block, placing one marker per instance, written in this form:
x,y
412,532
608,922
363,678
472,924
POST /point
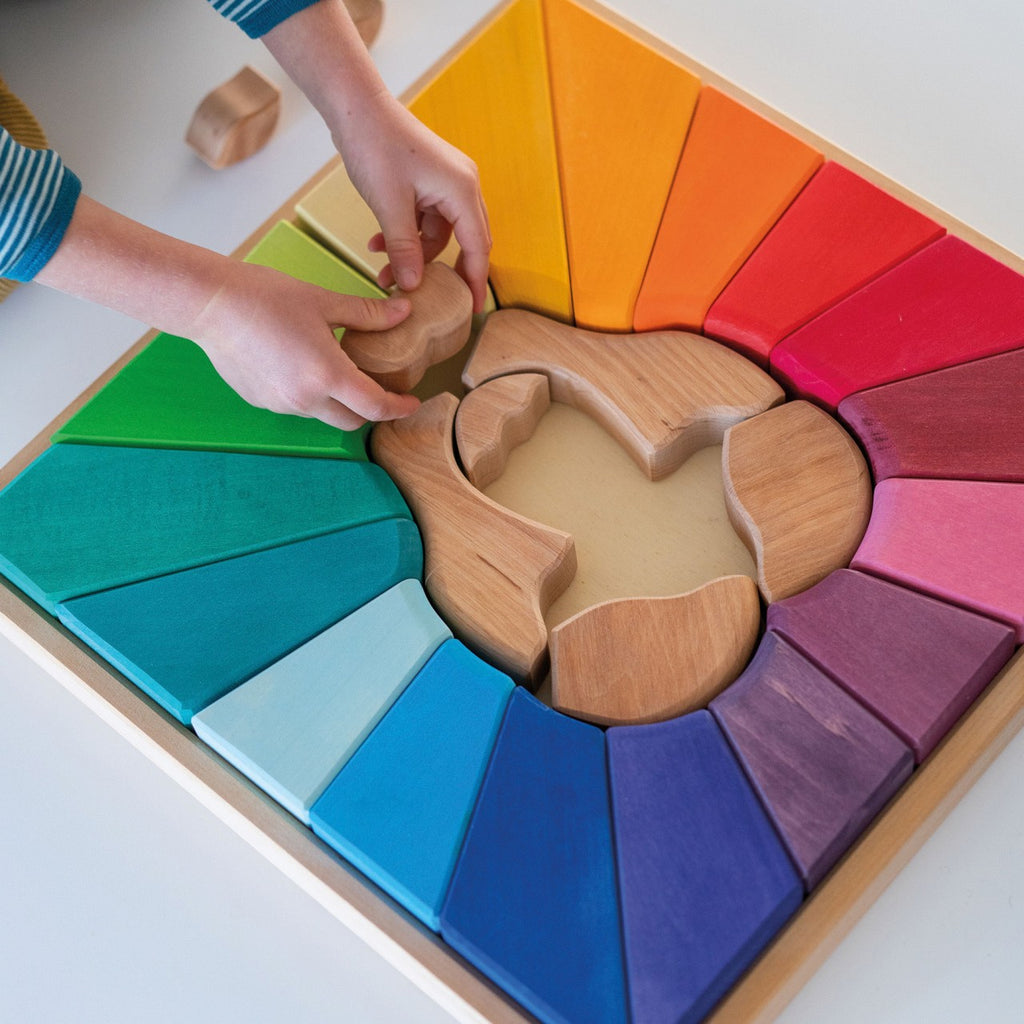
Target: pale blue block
x,y
400,808
293,727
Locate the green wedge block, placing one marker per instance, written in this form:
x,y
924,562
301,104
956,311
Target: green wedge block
x,y
170,396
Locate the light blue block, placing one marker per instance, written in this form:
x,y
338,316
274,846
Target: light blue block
x,y
399,809
293,727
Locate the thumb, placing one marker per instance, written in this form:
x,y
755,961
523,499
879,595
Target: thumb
x,y
404,248
366,314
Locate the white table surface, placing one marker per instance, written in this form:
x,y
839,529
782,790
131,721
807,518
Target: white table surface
x,y
121,898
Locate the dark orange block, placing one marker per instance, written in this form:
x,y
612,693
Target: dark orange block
x,y
737,175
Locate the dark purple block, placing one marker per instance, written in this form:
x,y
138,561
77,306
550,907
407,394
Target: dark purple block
x,y
822,763
705,882
916,662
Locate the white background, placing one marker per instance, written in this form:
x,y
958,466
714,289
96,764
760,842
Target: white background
x,y
121,898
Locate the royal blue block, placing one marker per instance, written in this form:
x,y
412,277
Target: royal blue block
x,y
188,638
534,902
705,882
399,809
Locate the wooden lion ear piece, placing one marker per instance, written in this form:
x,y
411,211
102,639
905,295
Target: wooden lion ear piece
x,y
236,119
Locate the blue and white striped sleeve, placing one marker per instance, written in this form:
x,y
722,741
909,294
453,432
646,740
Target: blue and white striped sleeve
x,y
257,17
37,199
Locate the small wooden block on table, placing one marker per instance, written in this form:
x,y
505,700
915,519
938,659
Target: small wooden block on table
x,y
534,902
83,518
961,423
493,102
916,662
799,494
491,572
400,808
647,659
170,396
961,540
823,765
663,395
437,327
947,304
189,637
705,883
737,175
840,233
236,119
495,418
618,148
293,727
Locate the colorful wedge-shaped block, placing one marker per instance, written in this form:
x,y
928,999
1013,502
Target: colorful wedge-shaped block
x,y
613,199
493,102
916,662
83,518
170,396
705,883
534,902
947,304
959,540
400,808
293,727
962,423
823,765
840,233
188,638
737,175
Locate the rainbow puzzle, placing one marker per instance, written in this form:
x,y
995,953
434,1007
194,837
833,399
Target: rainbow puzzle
x,y
654,782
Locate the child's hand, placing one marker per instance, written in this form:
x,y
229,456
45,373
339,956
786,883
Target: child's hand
x,y
271,337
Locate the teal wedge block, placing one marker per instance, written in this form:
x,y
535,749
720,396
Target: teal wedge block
x,y
400,808
188,638
84,518
293,727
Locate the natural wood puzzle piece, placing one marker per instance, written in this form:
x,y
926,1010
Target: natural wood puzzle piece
x,y
823,765
737,175
959,540
493,102
495,418
705,883
170,396
236,119
916,662
962,423
613,200
437,327
663,395
367,16
85,518
188,637
400,808
534,902
490,572
799,494
947,304
840,233
648,659
293,727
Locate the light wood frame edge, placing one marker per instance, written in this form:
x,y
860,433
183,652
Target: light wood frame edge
x,y
817,929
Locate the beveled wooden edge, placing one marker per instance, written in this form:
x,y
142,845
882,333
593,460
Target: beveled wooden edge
x,y
881,852
817,928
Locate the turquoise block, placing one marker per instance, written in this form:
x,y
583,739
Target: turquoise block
x,y
534,901
399,809
293,727
189,637
83,518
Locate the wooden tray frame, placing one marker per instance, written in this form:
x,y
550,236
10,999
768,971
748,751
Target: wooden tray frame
x,y
823,920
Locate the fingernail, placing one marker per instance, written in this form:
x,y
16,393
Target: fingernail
x,y
407,279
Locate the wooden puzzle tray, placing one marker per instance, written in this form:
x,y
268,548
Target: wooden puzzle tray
x,y
719,226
